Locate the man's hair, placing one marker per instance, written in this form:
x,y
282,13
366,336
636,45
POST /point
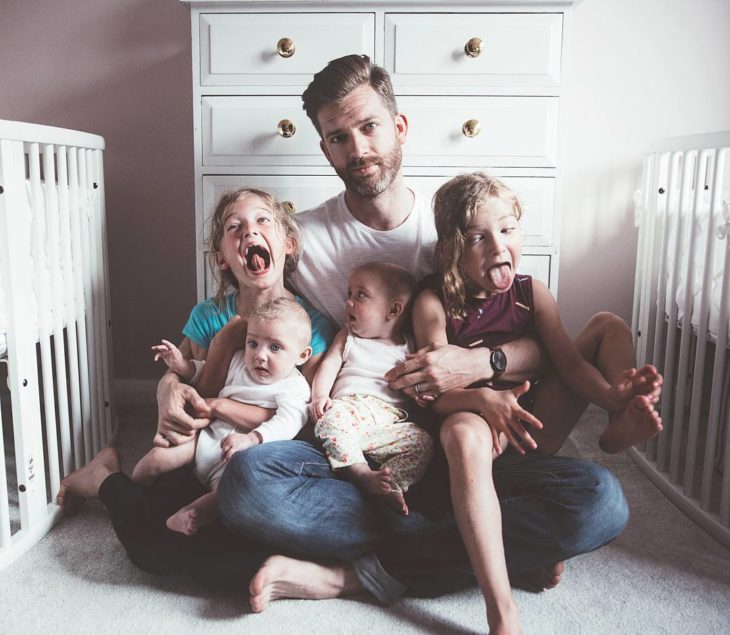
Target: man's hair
x,y
340,77
396,280
292,312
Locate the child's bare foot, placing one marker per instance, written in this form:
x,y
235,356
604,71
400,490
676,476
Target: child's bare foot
x,y
85,482
184,521
541,579
638,422
378,483
281,577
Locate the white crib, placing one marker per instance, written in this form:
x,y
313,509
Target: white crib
x,y
56,407
680,322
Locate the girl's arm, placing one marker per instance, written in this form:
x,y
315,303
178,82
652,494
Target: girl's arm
x,y
218,358
242,415
326,375
579,375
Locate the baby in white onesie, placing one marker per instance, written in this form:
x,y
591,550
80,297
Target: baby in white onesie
x,y
358,416
263,374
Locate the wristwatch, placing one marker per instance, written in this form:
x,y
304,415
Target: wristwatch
x,y
498,362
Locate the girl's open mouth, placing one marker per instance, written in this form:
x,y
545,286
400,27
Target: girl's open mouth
x,y
258,258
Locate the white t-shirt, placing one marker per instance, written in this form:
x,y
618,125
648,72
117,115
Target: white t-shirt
x,y
289,396
365,363
335,242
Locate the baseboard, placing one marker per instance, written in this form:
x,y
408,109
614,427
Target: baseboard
x,y
135,392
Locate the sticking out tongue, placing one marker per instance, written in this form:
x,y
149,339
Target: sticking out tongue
x,y
257,258
257,262
501,276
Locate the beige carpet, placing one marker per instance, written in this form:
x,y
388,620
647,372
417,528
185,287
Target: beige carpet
x,y
663,575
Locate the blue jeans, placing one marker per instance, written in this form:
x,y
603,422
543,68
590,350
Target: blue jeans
x,y
284,494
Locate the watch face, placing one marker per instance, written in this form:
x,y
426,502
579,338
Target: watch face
x,y
498,360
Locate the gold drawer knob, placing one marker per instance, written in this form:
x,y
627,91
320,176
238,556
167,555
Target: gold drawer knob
x,y
286,128
471,128
285,47
289,207
474,48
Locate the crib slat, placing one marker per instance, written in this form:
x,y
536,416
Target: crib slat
x,y
707,158
21,354
76,213
683,377
4,502
69,302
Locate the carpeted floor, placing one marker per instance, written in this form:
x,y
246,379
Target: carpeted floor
x,y
663,575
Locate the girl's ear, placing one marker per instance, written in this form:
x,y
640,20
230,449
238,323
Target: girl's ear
x,y
394,310
290,245
305,355
221,261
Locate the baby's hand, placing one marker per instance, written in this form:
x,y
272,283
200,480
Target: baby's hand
x,y
169,353
505,415
238,442
319,406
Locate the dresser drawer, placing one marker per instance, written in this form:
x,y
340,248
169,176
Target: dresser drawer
x,y
510,131
243,49
301,192
246,131
517,49
536,194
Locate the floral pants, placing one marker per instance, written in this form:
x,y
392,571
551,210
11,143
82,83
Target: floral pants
x,y
357,426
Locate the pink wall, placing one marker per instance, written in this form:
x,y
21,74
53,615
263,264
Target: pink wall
x,y
120,69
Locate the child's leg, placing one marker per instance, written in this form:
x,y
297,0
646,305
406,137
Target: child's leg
x,y
345,429
406,450
606,343
467,442
200,513
161,460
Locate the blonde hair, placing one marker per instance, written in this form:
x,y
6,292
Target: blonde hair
x,y
398,284
292,312
216,224
455,205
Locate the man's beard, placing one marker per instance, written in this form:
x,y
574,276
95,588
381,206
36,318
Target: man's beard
x,y
370,187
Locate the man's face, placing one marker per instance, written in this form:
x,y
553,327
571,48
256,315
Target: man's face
x,y
362,141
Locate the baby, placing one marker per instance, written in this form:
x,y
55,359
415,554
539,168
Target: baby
x,y
358,417
264,374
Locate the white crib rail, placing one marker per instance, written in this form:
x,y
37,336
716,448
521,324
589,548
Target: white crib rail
x,y
56,321
681,178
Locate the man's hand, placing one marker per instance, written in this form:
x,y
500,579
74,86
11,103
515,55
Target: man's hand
x,y
174,425
436,369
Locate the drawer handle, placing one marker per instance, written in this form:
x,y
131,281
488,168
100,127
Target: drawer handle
x,y
285,47
286,128
289,207
471,128
473,48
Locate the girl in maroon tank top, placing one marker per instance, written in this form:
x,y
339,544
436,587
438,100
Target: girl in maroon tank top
x,y
477,298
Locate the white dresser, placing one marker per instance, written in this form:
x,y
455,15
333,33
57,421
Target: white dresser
x,y
480,83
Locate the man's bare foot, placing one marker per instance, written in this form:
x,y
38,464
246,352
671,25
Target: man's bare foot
x,y
638,422
541,579
280,577
184,521
378,483
85,482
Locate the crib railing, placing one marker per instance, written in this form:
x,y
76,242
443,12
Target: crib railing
x,y
57,409
680,322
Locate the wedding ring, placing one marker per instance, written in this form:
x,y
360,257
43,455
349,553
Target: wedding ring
x,y
417,388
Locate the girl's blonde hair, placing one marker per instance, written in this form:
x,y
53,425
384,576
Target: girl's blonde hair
x,y
455,205
216,224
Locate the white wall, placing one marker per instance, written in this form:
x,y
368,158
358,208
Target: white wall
x,y
639,70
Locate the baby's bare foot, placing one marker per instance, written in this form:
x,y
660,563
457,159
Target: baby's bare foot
x,y
85,482
541,579
281,577
184,521
638,422
379,483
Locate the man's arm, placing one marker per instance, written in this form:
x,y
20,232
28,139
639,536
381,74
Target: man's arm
x,y
438,367
243,416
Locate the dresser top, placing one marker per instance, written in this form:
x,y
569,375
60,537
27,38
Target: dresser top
x,y
387,4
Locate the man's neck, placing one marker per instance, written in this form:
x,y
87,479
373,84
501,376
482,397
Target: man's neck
x,y
384,212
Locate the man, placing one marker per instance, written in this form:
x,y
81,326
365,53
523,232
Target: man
x,y
287,494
